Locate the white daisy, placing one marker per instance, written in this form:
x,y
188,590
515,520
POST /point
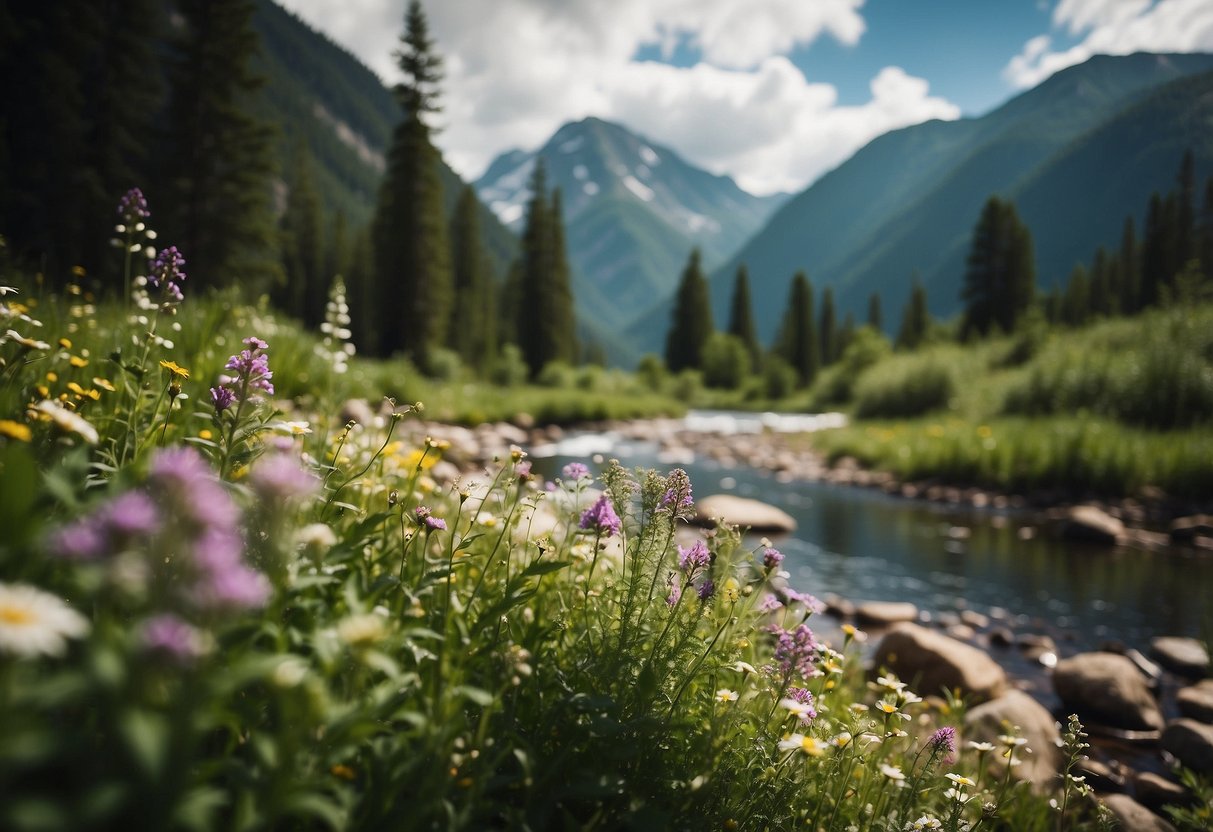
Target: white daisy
x,y
33,622
68,421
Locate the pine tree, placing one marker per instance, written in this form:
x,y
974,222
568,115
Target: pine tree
x,y
1154,255
545,325
1129,267
741,316
875,316
691,319
560,297
360,289
412,256
1000,273
1185,219
828,329
846,334
1103,298
1076,302
473,331
218,161
915,319
797,343
1204,232
304,293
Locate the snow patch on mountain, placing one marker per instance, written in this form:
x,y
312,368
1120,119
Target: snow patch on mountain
x,y
638,188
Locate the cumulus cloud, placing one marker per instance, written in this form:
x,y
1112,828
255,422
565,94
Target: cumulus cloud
x,y
517,69
1114,27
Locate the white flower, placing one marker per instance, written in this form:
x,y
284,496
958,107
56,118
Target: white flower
x,y
800,742
68,421
360,630
292,428
804,711
892,772
726,695
890,682
744,667
924,822
981,747
33,622
960,779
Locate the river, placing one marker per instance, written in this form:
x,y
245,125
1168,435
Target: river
x,y
862,544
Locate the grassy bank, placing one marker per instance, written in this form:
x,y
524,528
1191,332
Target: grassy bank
x,y
1113,409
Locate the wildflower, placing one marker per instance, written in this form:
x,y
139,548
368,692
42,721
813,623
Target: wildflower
x,y
850,632
132,207
894,773
943,743
731,590
77,361
575,472
28,343
278,476
187,483
426,518
811,604
980,747
15,430
68,421
173,637
769,604
801,706
796,651
224,580
923,823
771,559
130,514
726,695
601,517
362,630
177,371
744,667
675,590
677,497
292,428
691,561
222,398
33,622
523,471
841,740
166,273
315,539
336,347
706,590
960,779
800,742
891,683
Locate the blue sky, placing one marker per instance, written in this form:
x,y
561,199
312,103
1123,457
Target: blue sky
x,y
771,92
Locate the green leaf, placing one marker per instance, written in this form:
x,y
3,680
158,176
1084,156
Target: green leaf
x,y
317,807
543,567
147,737
478,695
467,542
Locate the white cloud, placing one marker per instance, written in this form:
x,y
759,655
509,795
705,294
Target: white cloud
x,y
1114,27
518,69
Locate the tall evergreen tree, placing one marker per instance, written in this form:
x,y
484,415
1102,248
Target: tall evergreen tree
x,y
472,331
875,316
546,329
1185,219
1154,255
691,319
1129,266
1000,273
218,161
915,318
741,316
1104,298
304,293
360,291
797,343
1076,302
412,256
828,330
846,334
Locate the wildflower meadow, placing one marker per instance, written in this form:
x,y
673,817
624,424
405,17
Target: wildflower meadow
x,y
228,606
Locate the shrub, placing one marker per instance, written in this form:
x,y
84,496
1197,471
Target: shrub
x,y
905,385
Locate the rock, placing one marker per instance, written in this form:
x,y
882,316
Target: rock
x,y
961,632
1155,791
1196,702
1185,656
985,723
1101,776
838,606
1002,637
357,410
1187,529
743,512
1148,668
1092,524
885,613
974,619
1108,688
930,661
1191,743
1131,816
1148,540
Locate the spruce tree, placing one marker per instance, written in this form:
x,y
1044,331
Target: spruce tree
x,y
1129,267
218,159
741,316
828,329
1103,299
412,256
560,299
1185,219
797,343
360,290
875,316
691,319
1000,273
304,293
1204,232
1154,255
915,318
545,327
469,332
846,334
1076,302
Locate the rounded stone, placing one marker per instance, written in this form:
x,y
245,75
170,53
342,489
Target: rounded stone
x,y
1032,721
1191,743
1108,688
885,613
744,512
931,661
1131,815
1185,656
1196,702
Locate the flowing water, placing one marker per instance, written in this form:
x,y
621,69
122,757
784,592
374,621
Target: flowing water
x,y
864,545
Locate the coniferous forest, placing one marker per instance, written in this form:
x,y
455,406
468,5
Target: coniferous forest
x,y
337,492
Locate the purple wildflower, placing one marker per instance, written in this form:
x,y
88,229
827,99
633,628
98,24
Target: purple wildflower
x,y
771,559
811,604
83,540
575,471
943,742
132,207
166,272
803,697
695,559
675,590
222,398
129,514
523,470
707,589
435,524
769,604
169,635
191,487
677,497
225,581
252,376
601,517
796,651
278,476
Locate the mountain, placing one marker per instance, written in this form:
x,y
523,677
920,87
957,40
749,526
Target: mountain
x,y
633,210
1077,154
324,98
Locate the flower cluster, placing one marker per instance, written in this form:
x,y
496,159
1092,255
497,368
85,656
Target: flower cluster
x,y
694,560
796,652
677,499
601,518
252,376
943,745
337,346
166,273
132,207
771,559
426,518
575,472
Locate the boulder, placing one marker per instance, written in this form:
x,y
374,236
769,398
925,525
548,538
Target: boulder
x,y
743,512
885,613
1191,743
987,722
931,661
1196,702
1156,791
974,619
1092,524
1185,656
1187,529
1131,816
1108,688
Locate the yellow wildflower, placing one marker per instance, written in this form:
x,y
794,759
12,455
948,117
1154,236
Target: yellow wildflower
x,y
104,384
77,361
15,430
175,369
